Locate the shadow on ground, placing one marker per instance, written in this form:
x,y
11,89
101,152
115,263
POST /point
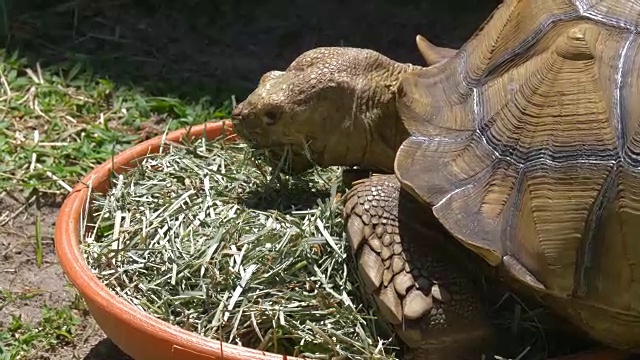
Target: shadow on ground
x,y
195,48
106,349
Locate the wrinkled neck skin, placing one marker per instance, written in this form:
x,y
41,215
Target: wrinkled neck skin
x,y
371,131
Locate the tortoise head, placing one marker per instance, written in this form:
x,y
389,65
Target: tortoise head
x,y
333,106
302,109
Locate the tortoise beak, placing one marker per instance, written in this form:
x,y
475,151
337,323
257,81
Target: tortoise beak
x,y
238,112
245,126
240,116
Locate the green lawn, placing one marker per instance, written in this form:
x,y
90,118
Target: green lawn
x,y
56,124
58,119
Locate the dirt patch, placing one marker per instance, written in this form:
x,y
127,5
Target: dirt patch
x,y
29,288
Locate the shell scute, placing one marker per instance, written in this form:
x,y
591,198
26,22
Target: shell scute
x,y
527,146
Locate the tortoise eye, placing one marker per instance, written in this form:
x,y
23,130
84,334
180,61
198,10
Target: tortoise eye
x,y
270,118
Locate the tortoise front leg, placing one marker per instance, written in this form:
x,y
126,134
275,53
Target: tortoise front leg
x,y
418,288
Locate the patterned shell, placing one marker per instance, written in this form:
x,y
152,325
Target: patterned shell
x,y
527,145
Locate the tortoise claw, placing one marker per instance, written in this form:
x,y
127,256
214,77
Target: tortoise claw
x,y
432,307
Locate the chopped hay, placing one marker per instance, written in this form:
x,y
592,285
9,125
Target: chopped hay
x,y
205,237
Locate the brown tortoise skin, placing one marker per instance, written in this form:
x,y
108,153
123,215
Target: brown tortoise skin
x,y
524,145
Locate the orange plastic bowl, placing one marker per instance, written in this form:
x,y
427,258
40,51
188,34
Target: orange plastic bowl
x,y
137,333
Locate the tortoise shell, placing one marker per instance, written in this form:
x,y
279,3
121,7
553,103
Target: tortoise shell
x,y
526,144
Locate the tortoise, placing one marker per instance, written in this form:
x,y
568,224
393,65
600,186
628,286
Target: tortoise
x,y
523,145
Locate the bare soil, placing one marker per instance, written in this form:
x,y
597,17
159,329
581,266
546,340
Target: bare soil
x,y
21,274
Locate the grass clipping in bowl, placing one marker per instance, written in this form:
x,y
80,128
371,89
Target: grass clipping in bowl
x,y
191,236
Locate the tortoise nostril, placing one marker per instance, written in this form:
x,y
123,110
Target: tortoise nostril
x,y
238,112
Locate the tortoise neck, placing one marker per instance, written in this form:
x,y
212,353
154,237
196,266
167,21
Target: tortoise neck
x,y
376,110
371,131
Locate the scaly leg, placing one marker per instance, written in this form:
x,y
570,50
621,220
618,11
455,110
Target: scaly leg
x,y
417,285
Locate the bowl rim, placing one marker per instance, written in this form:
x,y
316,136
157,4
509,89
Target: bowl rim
x,y
77,271
73,263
